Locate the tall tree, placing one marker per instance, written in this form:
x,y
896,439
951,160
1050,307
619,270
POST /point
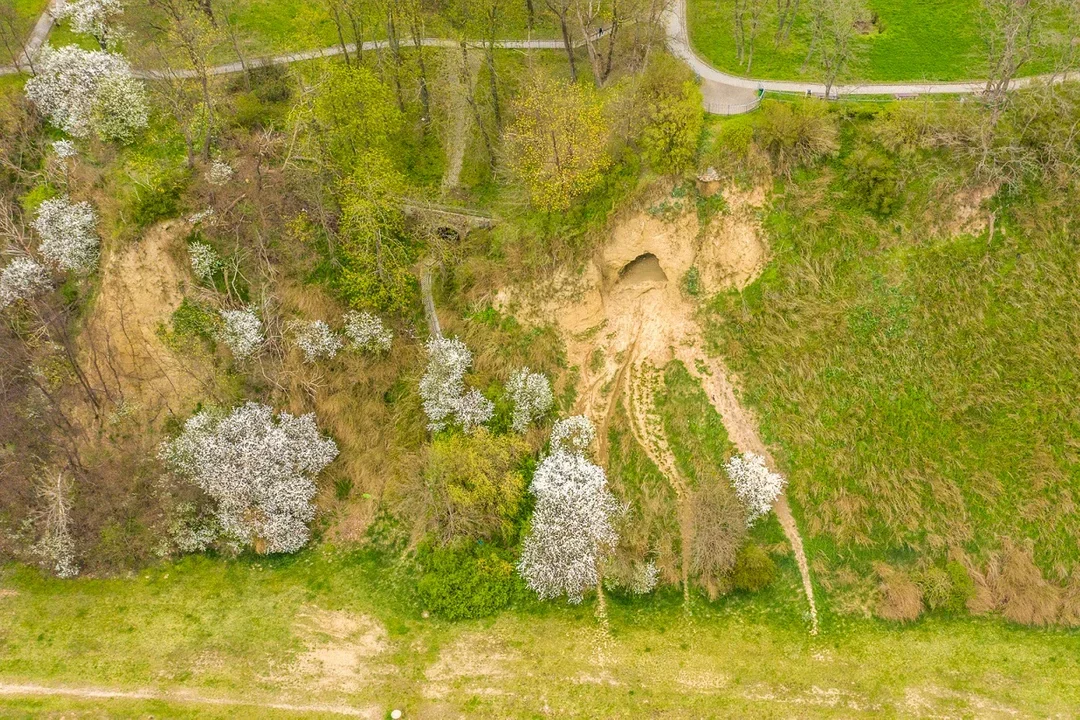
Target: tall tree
x,y
561,10
833,30
1010,34
557,143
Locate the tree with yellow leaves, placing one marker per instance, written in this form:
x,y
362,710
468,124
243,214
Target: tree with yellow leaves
x,y
557,142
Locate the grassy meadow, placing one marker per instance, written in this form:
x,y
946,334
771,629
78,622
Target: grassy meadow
x,y
240,630
919,40
910,367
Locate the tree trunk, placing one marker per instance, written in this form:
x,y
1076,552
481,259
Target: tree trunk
x,y
493,78
340,34
395,52
612,34
568,45
425,96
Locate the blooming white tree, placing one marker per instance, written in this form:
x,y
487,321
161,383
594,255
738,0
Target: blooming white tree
x,y
573,435
531,394
204,260
92,17
367,332
203,216
220,173
315,339
473,410
88,90
56,547
571,531
259,470
65,149
241,331
22,279
443,384
754,483
68,236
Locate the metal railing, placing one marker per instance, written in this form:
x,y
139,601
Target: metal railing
x,y
716,108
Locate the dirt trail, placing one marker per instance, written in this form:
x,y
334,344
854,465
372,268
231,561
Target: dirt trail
x,y
460,120
649,431
186,697
741,427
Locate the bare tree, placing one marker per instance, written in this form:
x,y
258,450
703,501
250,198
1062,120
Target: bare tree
x,y
12,37
1010,34
190,30
786,13
561,9
833,34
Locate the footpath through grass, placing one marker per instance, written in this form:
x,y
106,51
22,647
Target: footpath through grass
x,y
236,629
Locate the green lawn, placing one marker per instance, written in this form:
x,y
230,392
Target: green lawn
x,y
912,40
234,629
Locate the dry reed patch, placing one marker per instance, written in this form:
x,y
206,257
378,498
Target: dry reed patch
x,y
142,284
1012,584
343,649
900,598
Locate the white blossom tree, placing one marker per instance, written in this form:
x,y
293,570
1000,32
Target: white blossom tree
x,y
473,410
366,332
571,531
442,388
756,485
241,331
315,339
56,547
573,435
530,392
68,236
204,260
220,173
92,17
22,279
259,470
88,90
65,149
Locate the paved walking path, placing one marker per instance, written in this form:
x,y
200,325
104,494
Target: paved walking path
x,y
724,94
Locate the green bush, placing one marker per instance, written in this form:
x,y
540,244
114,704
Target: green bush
x,y
468,582
191,321
158,201
754,569
963,587
37,195
874,180
673,116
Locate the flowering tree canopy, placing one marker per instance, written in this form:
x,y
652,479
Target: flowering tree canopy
x,y
573,435
220,173
65,149
84,90
204,260
531,394
442,388
259,470
316,340
367,332
68,237
571,530
22,279
754,483
242,332
92,17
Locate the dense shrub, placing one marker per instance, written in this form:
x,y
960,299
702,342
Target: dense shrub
x,y
671,104
874,180
754,569
158,201
463,583
796,134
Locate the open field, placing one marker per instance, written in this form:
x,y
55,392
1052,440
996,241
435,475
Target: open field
x,y
921,40
250,630
908,367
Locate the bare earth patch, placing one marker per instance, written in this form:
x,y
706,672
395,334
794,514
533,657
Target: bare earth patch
x,y
626,313
474,661
343,649
142,284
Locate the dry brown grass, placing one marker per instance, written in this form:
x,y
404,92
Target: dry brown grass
x,y
1013,585
900,598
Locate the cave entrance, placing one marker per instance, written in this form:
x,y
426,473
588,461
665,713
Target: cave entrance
x,y
644,268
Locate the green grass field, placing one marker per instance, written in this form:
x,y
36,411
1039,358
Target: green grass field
x,y
234,629
911,369
912,40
